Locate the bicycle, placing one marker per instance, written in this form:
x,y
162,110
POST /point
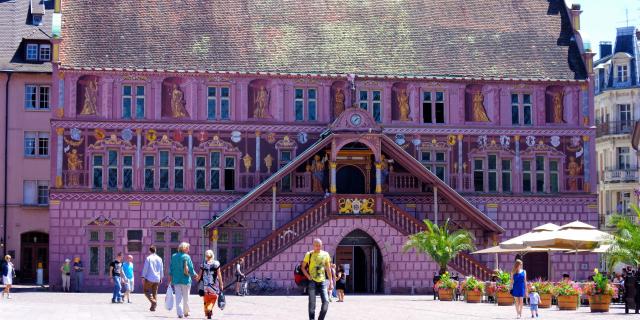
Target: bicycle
x,y
260,286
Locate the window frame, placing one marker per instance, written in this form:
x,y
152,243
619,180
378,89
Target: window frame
x,y
215,102
32,48
38,138
369,102
433,103
42,95
41,55
521,107
305,101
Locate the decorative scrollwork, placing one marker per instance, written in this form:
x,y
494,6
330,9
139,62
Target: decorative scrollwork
x,y
356,206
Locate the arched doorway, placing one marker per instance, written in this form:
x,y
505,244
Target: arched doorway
x,y
34,250
350,180
360,254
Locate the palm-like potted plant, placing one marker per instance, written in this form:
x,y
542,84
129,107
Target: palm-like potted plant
x,y
625,247
440,243
473,289
503,288
600,292
545,290
567,294
446,286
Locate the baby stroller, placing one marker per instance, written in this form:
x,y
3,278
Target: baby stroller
x,y
243,286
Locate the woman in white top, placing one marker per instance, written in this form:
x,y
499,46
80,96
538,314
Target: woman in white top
x,y
8,273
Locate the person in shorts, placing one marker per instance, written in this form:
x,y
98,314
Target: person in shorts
x,y
127,270
534,300
240,276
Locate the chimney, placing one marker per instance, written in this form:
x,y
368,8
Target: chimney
x,y
575,16
606,48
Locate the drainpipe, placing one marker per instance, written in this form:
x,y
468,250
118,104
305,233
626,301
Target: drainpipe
x,y
6,158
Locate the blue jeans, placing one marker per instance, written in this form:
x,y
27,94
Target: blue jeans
x,y
77,280
324,296
117,288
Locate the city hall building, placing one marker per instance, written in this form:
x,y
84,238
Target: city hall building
x,y
252,127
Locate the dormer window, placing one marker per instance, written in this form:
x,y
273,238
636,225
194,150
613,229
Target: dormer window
x,y
623,73
38,52
32,51
36,19
45,52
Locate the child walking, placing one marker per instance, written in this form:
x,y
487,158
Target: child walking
x,y
127,269
534,300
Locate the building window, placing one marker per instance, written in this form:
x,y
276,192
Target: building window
x,y
554,176
623,73
624,114
229,173
540,185
178,173
108,258
36,97
624,158
94,236
433,109
200,173
521,109
218,103
215,171
371,100
32,51
285,158
436,164
127,172
164,170
134,240
149,172
305,104
36,19
112,170
93,260
35,192
36,144
478,175
492,165
526,176
97,172
506,175
230,244
159,236
45,52
129,97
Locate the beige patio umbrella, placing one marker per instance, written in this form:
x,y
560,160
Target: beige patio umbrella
x,y
573,236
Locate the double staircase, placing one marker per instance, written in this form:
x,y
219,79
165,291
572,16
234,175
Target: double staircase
x,y
313,218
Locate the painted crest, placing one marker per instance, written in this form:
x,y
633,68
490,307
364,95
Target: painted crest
x,y
151,135
531,141
482,141
177,135
451,139
400,140
416,142
76,134
302,137
126,134
100,134
555,141
236,136
271,137
505,141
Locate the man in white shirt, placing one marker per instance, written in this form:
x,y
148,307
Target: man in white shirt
x,y
152,274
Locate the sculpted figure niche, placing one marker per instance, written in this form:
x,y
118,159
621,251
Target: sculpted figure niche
x,y
574,169
178,109
558,108
479,113
339,101
403,105
260,103
90,98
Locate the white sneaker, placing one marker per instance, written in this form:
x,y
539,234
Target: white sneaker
x,y
8,296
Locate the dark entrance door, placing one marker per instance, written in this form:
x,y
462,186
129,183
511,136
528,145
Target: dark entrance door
x,y
350,180
536,264
361,254
34,250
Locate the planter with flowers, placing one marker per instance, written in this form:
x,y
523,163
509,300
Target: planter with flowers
x,y
567,294
503,286
545,290
446,286
600,292
473,290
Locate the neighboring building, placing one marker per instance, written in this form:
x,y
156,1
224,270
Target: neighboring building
x,y
25,105
617,105
350,122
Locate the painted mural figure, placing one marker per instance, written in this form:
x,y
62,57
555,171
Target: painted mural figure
x,y
384,170
74,165
403,105
318,173
339,101
557,108
260,103
479,112
90,98
574,171
178,109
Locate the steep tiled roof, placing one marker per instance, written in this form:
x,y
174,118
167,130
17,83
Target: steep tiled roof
x,y
15,25
458,38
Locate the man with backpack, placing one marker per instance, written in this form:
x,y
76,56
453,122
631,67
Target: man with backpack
x,y
316,267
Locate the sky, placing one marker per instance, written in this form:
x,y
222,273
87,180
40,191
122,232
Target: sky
x,y
600,18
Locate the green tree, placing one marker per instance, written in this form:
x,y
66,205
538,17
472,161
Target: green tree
x,y
440,243
626,240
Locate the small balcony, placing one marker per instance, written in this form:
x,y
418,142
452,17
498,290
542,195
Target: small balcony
x,y
614,127
621,175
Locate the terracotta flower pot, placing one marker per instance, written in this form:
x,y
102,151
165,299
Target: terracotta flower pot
x,y
545,300
474,296
504,298
568,302
445,294
599,303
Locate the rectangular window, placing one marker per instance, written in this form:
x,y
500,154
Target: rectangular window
x,y
43,144
218,103
108,236
45,52
211,103
506,175
478,175
492,164
426,108
229,173
623,73
126,102
515,109
225,103
139,102
439,107
433,111
305,104
164,170
108,258
29,192
30,139
215,171
311,105
134,240
364,100
521,107
159,236
540,185
32,51
526,109
425,156
43,98
624,158
36,97
440,172
93,260
526,176
285,157
178,173
94,236
127,172
372,98
112,169
200,173
43,193
299,104
149,172
175,237
624,114
553,176
160,253
97,171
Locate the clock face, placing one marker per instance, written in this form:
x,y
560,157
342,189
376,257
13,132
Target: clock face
x,y
356,119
